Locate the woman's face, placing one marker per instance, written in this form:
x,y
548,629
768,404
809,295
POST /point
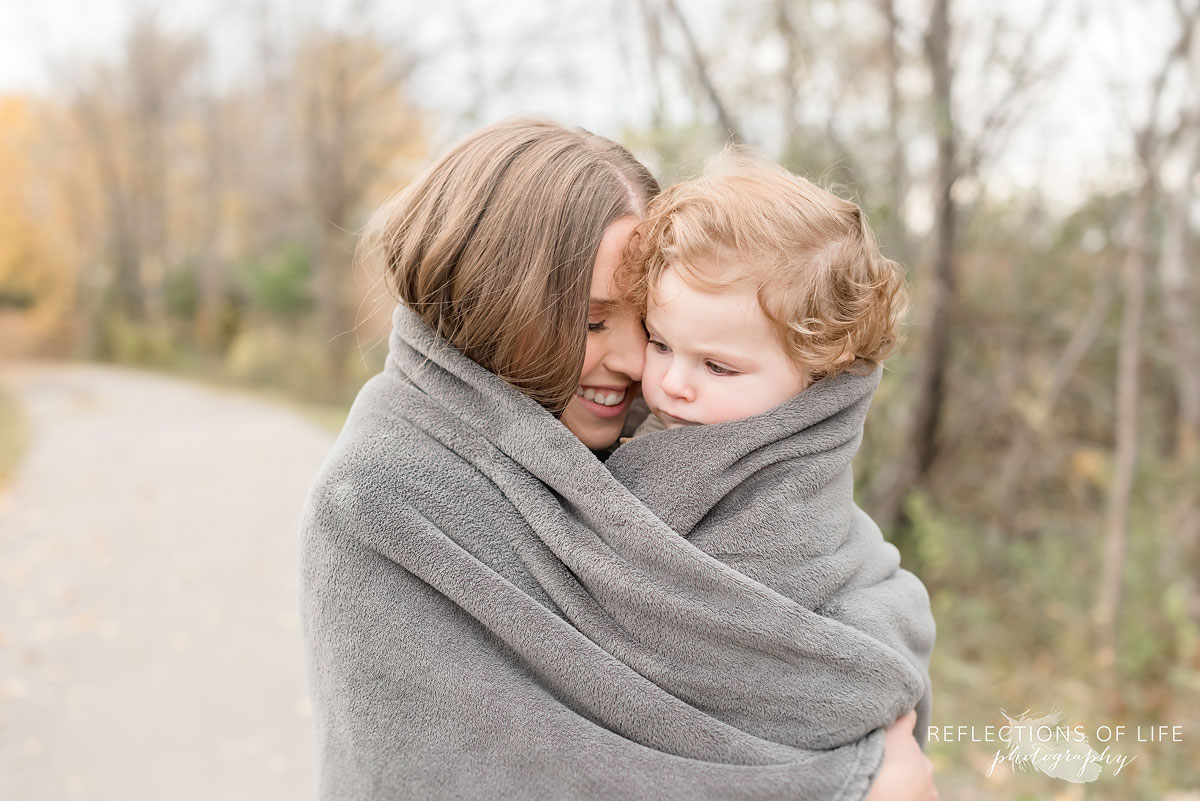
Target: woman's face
x,y
616,351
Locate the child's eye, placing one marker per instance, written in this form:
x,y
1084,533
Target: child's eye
x,y
661,347
595,328
717,369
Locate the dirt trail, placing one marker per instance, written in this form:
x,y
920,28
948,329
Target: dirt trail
x,y
149,633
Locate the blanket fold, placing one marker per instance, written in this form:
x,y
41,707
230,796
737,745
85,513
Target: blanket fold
x,y
490,611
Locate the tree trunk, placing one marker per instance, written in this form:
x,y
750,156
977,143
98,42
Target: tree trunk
x,y
1181,545
654,53
895,233
1108,603
918,449
210,276
1179,305
791,91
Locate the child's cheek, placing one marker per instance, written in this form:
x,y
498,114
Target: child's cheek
x,y
652,378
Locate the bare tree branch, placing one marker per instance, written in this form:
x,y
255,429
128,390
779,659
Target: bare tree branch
x,y
702,73
1025,73
1078,344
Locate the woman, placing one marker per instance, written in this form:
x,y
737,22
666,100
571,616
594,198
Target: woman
x,y
487,611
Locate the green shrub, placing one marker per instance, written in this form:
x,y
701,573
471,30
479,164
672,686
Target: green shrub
x,y
279,283
122,340
16,297
182,290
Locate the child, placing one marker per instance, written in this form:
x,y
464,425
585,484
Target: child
x,y
754,283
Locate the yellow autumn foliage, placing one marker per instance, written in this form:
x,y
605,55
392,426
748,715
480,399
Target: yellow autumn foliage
x,y
37,253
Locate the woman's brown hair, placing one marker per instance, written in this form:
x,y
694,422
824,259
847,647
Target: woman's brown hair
x,y
494,246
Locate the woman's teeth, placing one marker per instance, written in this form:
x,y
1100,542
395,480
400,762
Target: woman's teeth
x,y
601,397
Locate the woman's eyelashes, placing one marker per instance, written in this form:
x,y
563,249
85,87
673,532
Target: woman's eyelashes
x,y
595,328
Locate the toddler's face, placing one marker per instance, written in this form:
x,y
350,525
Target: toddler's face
x,y
712,357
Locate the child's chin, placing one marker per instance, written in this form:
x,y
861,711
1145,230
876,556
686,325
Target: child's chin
x,y
670,421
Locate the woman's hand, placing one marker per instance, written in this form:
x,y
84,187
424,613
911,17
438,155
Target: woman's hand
x,y
906,773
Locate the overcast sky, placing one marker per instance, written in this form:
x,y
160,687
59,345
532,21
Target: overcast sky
x,y
1076,135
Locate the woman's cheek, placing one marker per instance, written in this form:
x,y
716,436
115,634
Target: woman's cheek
x,y
593,351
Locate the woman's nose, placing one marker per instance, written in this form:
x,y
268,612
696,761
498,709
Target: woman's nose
x,y
627,351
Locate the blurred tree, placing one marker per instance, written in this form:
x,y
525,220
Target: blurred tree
x,y
1181,313
17,252
702,73
1149,144
126,116
211,289
37,256
960,155
894,231
355,123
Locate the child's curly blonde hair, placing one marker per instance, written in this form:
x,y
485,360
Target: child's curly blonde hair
x,y
809,255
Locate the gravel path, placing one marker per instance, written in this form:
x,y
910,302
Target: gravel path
x,y
149,632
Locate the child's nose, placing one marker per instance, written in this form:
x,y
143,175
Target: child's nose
x,y
676,384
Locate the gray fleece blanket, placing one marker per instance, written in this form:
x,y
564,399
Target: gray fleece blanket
x,y
490,611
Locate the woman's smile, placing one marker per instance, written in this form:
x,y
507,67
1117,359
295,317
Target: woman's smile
x,y
604,401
